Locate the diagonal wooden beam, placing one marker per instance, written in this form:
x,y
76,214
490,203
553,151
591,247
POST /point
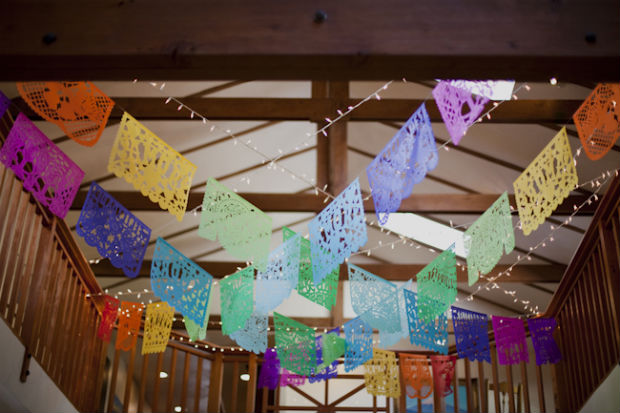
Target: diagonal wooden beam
x,y
572,133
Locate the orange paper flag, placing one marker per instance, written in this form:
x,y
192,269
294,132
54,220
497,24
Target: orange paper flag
x,y
416,375
128,325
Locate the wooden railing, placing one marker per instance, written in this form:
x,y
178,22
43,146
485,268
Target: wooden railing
x,y
44,283
587,306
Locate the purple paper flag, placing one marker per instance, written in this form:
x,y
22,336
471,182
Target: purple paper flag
x,y
291,379
50,175
270,371
471,334
451,101
510,340
545,347
402,163
4,103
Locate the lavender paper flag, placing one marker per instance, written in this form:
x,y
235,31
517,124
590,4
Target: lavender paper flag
x,y
117,233
358,336
50,175
510,340
545,347
432,335
451,100
471,334
270,371
337,231
4,103
491,89
253,336
402,163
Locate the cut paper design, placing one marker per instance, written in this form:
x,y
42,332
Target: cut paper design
x,y
545,347
4,103
387,339
437,285
253,336
487,238
50,175
152,166
432,335
381,375
237,293
276,283
324,293
157,327
452,101
374,299
490,89
197,331
128,325
179,281
443,373
598,120
471,332
295,344
545,183
402,163
243,230
329,347
337,231
358,349
270,370
116,233
510,340
291,379
417,375
80,109
108,317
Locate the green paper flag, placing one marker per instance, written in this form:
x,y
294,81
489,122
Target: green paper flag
x,y
437,286
237,297
295,345
195,331
333,348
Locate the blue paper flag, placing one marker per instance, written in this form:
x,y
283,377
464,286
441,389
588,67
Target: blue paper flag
x,y
358,336
4,103
402,163
117,233
253,337
181,282
471,334
276,283
322,372
337,231
432,335
387,339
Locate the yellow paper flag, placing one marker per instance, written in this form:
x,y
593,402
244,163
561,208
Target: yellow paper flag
x,y
382,375
157,327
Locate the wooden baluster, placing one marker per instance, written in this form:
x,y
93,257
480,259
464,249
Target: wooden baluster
x,y
184,403
470,402
112,391
498,405
455,386
541,390
215,383
143,379
198,386
265,399
526,389
69,333
10,244
47,326
160,363
482,387
58,344
251,389
171,383
511,391
40,328
235,382
611,271
597,341
419,405
99,396
129,379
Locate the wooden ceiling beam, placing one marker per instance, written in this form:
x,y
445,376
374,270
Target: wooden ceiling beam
x,y
275,202
391,272
270,39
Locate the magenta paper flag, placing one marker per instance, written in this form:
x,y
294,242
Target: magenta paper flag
x,y
402,163
50,175
545,347
108,317
291,379
337,231
452,102
270,370
510,340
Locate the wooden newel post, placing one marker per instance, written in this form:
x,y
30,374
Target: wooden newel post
x,y
251,394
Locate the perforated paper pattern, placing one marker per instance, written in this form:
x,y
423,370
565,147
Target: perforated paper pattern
x,y
416,375
402,163
471,333
243,230
152,166
276,283
374,299
510,340
545,183
443,373
598,120
387,339
50,175
437,285
295,344
253,336
80,109
129,320
545,347
117,234
324,293
157,327
381,374
291,379
328,348
491,89
237,295
337,231
358,349
487,238
432,335
108,317
179,281
452,102
4,103
197,331
270,370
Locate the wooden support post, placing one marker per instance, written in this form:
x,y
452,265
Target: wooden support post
x,y
498,406
526,390
470,401
171,380
160,363
511,390
112,389
143,378
129,379
250,398
215,383
541,390
186,367
198,385
235,386
484,407
455,386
